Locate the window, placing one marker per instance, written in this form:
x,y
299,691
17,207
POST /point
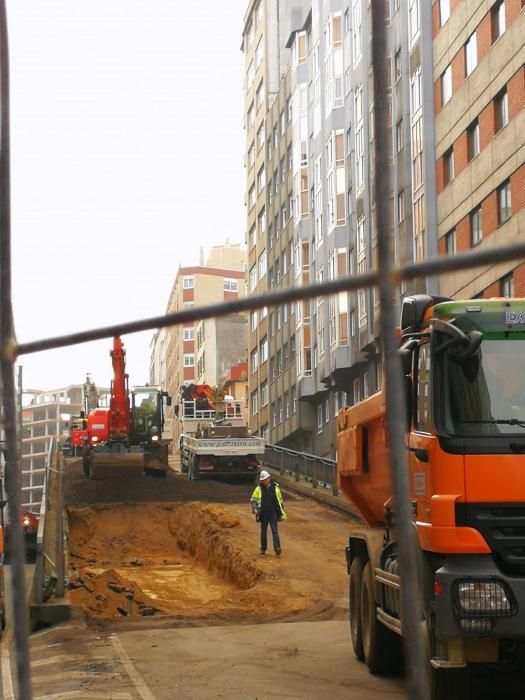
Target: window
x,y
251,156
263,350
261,179
261,221
400,207
254,361
187,305
253,321
471,54
253,402
448,165
444,11
446,85
252,237
251,197
320,418
189,360
476,226
262,264
497,20
473,139
450,242
264,393
501,109
260,137
327,411
504,202
423,406
356,31
187,282
253,278
259,53
399,135
259,95
413,20
189,333
250,118
506,285
397,65
231,285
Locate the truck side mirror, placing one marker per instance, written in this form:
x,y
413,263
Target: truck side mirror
x,y
168,400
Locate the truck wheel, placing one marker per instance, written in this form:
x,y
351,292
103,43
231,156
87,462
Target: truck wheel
x,y
381,647
354,605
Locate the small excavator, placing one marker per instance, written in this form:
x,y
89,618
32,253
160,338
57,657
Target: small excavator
x,y
126,439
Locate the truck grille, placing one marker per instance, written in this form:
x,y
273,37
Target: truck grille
x,y
503,527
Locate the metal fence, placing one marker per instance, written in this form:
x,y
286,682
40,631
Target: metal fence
x,y
386,277
49,579
318,472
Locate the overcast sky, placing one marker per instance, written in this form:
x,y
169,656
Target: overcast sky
x,y
126,151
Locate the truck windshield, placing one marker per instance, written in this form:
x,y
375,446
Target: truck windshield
x,y
485,394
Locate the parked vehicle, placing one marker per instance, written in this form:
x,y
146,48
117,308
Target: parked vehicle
x,y
214,439
464,367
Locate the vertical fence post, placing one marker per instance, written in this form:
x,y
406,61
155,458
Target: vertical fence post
x,y
59,528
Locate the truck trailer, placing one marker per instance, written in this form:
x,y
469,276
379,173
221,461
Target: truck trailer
x,y
464,377
214,439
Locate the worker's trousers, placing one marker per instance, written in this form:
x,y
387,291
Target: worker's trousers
x,y
271,520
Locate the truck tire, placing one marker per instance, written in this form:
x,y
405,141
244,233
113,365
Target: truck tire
x,y
382,650
354,606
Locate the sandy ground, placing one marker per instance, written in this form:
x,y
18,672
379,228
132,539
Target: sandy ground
x,y
199,562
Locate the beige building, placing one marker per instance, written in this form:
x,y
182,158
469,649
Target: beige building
x,y
479,99
204,352
44,419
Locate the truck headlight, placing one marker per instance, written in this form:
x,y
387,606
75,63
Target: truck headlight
x,y
154,438
483,598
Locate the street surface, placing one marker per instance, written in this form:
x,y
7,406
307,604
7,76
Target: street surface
x,y
233,625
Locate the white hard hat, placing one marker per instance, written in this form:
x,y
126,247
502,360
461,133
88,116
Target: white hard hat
x,y
264,475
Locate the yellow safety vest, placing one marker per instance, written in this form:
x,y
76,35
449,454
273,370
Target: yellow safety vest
x,y
256,498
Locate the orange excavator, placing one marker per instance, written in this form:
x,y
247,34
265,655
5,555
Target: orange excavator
x,y
126,438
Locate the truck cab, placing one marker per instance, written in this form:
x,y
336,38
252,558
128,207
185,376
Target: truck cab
x,y
464,369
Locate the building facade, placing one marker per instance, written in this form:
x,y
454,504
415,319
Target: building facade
x,y
44,419
455,96
204,352
479,99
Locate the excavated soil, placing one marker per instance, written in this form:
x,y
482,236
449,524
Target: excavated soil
x,y
187,561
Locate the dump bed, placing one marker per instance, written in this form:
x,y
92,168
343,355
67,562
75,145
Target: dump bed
x,y
363,466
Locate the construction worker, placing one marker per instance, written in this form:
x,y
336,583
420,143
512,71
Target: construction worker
x,y
268,508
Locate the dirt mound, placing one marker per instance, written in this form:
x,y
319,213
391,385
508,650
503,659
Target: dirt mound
x,y
187,561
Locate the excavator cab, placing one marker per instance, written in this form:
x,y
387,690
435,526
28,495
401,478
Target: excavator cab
x,y
147,423
147,414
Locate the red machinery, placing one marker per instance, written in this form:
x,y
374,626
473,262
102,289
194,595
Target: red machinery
x,y
126,438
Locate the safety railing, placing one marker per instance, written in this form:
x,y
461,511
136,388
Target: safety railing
x,y
49,563
320,473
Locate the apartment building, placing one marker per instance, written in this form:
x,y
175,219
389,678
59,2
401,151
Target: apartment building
x,y
44,418
479,88
206,351
319,211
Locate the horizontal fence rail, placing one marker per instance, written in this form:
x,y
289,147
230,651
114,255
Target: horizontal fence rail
x,y
318,472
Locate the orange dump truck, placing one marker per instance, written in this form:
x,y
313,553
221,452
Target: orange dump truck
x,y
464,367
